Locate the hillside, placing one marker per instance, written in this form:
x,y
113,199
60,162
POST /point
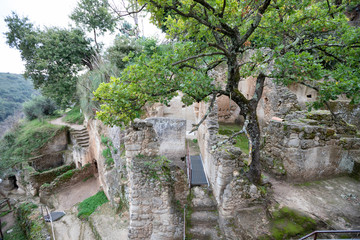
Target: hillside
x,y
14,90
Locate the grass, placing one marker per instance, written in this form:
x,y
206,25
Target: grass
x,y
17,234
74,116
241,140
23,141
89,205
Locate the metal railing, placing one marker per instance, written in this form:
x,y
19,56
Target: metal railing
x,y
188,165
316,233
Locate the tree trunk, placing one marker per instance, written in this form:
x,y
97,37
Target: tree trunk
x,y
253,129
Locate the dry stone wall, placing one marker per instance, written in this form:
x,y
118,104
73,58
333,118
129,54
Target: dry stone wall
x,y
309,146
152,214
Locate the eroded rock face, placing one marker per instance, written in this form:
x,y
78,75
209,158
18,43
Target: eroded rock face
x,y
309,146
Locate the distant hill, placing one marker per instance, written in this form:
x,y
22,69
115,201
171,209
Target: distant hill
x,y
14,91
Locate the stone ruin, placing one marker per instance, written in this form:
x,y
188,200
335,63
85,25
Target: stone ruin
x,y
309,146
152,212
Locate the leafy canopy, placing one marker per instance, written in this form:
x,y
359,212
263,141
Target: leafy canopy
x,y
53,56
94,16
306,42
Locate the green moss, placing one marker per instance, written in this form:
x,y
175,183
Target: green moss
x,y
288,223
89,205
241,141
285,127
74,116
188,213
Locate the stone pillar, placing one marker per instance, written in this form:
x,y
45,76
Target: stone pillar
x,y
151,213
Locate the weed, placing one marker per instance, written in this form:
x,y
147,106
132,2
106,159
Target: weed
x,y
89,205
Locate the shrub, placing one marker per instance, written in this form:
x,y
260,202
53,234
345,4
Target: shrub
x,y
39,107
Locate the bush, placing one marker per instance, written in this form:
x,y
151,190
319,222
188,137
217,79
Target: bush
x,y
39,107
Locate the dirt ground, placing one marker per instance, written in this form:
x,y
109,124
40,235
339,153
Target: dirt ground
x,y
336,202
59,121
67,198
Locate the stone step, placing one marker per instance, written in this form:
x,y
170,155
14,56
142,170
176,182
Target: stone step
x,y
203,233
204,218
84,145
81,134
79,141
82,137
75,131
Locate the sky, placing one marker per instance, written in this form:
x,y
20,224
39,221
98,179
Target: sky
x,y
49,13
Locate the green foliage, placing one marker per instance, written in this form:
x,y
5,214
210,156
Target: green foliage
x,y
31,222
39,107
288,223
107,152
19,143
94,15
89,205
74,116
17,234
14,90
123,46
150,78
53,56
306,42
89,82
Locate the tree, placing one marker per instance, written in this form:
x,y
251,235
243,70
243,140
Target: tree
x,y
309,42
94,16
53,56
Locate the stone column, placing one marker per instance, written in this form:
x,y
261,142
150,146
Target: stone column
x,y
151,213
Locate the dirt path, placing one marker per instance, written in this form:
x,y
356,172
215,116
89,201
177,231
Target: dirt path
x,y
59,121
334,201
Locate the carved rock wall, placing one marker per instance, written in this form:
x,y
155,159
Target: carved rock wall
x,y
112,177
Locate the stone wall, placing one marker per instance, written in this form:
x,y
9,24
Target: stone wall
x,y
64,181
242,214
48,161
218,164
152,214
171,135
349,112
310,146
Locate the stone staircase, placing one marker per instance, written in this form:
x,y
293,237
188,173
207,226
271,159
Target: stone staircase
x,y
81,136
204,217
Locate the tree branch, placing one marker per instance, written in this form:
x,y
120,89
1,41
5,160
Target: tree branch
x,y
197,56
196,126
221,15
120,15
258,88
255,24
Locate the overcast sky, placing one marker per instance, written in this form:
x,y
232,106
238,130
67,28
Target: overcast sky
x,y
41,13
